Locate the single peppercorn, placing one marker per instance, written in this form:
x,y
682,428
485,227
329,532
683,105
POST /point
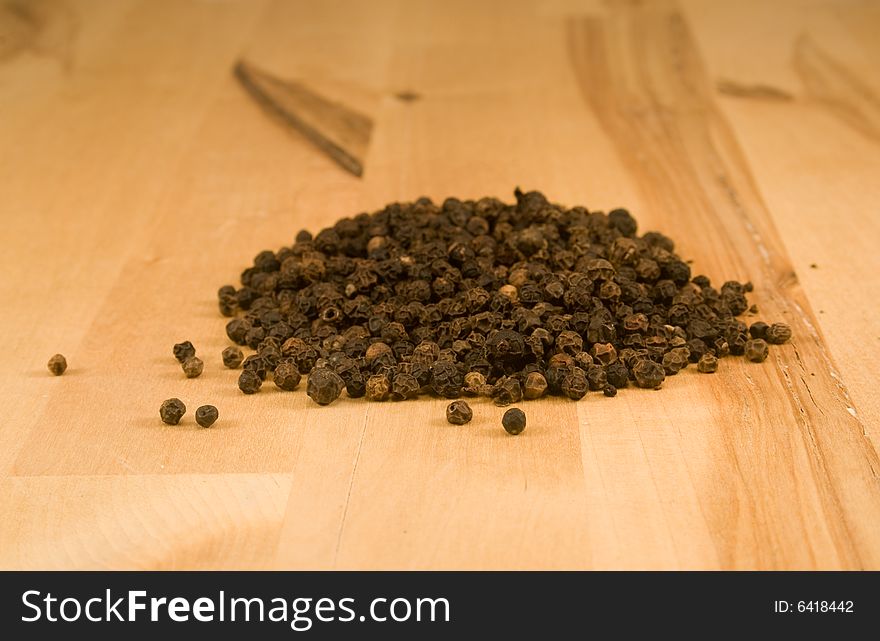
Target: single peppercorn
x,y
249,382
171,411
758,329
535,385
574,384
514,421
324,385
474,383
675,360
378,387
459,413
183,351
404,386
57,365
286,376
206,415
193,367
756,350
507,390
648,374
707,364
778,333
610,391
232,357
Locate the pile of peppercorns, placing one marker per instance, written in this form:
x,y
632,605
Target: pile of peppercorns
x,y
482,298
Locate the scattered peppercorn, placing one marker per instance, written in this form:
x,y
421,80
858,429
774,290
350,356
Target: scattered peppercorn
x,y
193,367
286,376
57,365
756,350
183,351
707,364
778,333
206,415
459,413
481,298
648,374
610,391
324,385
172,410
232,357
514,421
249,382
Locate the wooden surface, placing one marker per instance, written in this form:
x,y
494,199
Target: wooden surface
x,y
136,177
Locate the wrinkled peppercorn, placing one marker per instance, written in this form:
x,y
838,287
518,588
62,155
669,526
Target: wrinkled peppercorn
x,y
249,382
707,364
648,374
183,351
286,376
206,415
232,357
610,391
514,421
507,391
535,385
378,387
57,365
324,385
193,367
459,413
778,333
574,384
172,410
756,350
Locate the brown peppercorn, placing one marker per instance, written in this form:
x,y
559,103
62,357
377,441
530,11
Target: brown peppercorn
x,y
249,381
675,360
610,391
648,374
374,351
286,376
474,383
404,386
707,364
575,384
57,365
757,350
171,411
758,329
378,387
459,413
778,333
183,351
604,353
514,421
232,357
535,386
206,415
193,367
324,385
506,391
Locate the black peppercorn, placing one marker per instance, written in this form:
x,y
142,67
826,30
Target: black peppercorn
x,y
756,350
206,415
610,391
232,357
459,413
57,365
249,382
193,367
778,333
286,376
172,410
514,421
183,351
707,364
324,385
648,374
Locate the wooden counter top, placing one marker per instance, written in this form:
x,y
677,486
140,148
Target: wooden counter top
x,y
136,177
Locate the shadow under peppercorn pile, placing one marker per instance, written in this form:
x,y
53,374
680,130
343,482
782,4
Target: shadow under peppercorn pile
x,y
509,301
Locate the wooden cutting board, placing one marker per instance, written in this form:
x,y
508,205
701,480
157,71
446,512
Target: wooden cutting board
x,y
137,177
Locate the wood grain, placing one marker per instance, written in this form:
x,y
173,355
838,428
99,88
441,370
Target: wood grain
x,y
140,178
